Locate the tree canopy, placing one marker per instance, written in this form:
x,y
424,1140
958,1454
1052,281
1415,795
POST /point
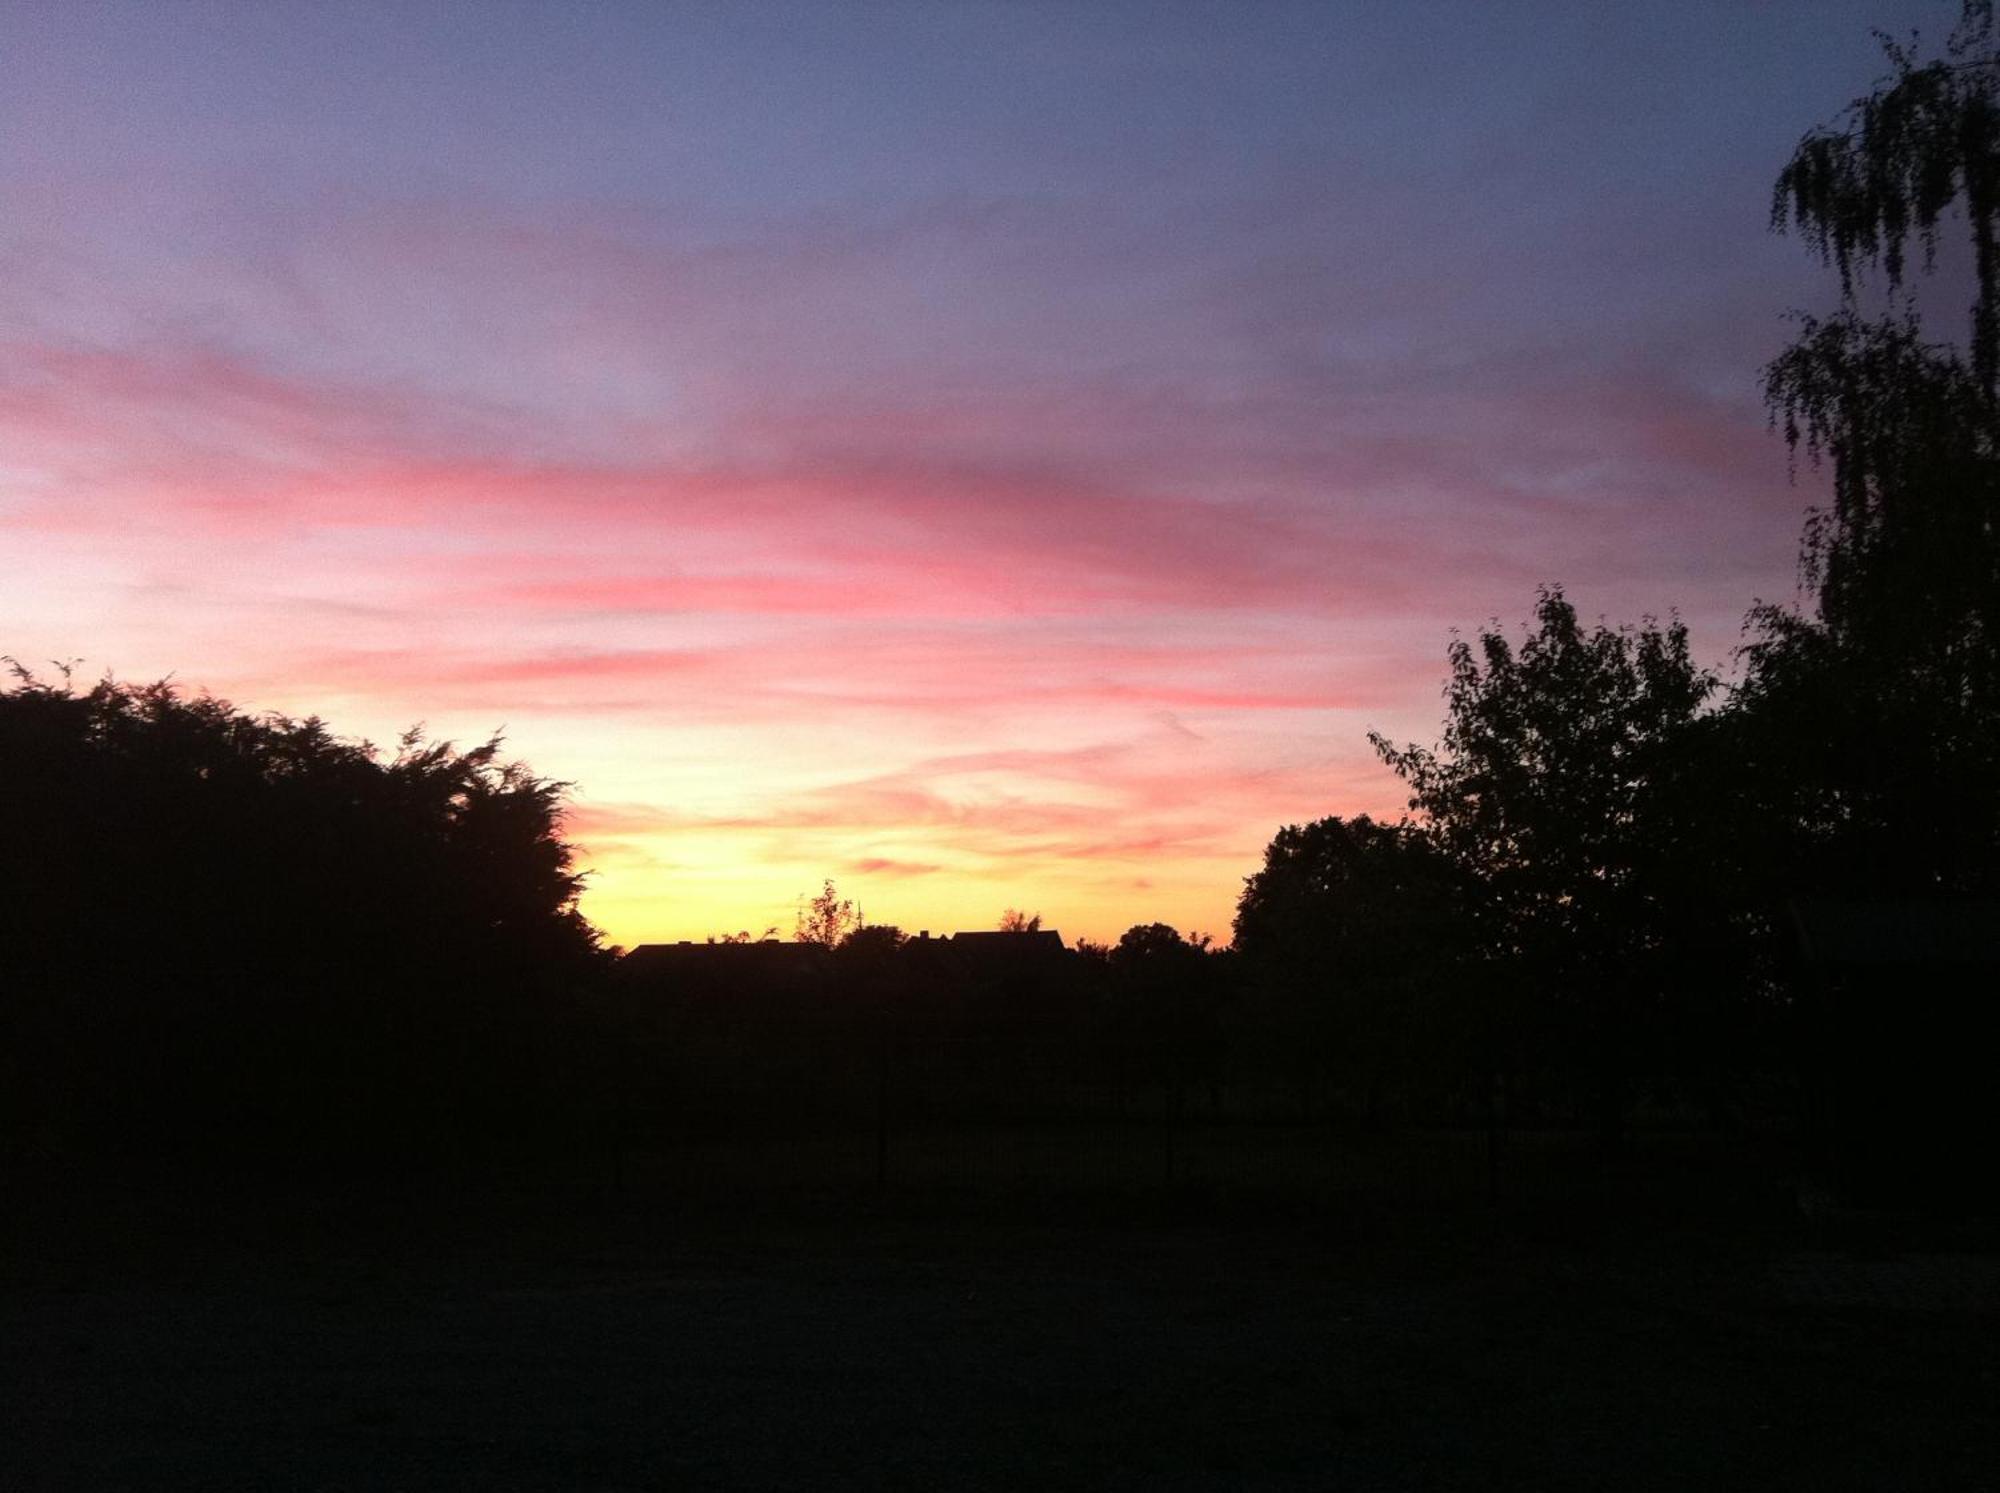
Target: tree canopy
x,y
1878,181
1553,786
1349,900
1561,794
1877,714
1358,937
827,919
298,917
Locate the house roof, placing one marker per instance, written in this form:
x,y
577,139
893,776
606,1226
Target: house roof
x,y
1043,941
768,957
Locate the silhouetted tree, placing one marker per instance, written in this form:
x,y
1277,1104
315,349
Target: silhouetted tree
x,y
243,933
1881,179
1167,994
1357,940
1147,949
1865,715
872,942
1013,921
1864,743
827,920
1561,792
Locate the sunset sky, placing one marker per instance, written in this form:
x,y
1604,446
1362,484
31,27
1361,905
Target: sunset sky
x,y
992,455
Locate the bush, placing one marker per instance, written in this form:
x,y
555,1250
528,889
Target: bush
x,y
242,935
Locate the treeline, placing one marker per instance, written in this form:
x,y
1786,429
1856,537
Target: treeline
x,y
1623,875
1625,888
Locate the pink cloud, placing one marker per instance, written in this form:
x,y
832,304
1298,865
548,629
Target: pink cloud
x,y
651,504
875,865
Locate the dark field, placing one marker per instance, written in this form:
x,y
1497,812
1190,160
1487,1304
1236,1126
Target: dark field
x,y
1291,1312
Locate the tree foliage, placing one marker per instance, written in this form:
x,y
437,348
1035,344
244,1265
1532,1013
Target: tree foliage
x,y
1555,784
1866,189
300,933
827,920
1903,561
1882,706
1155,946
1562,794
871,941
1358,939
1347,901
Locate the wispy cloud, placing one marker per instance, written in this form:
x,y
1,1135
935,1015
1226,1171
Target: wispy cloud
x,y
1053,507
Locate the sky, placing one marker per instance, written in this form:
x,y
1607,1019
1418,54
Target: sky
x,y
988,454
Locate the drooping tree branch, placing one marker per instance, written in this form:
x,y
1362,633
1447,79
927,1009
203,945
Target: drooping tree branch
x,y
1866,190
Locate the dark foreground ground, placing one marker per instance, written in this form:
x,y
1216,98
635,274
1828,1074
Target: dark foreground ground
x,y
1611,1335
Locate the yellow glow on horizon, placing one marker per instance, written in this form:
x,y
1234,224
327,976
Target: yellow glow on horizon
x,y
695,887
